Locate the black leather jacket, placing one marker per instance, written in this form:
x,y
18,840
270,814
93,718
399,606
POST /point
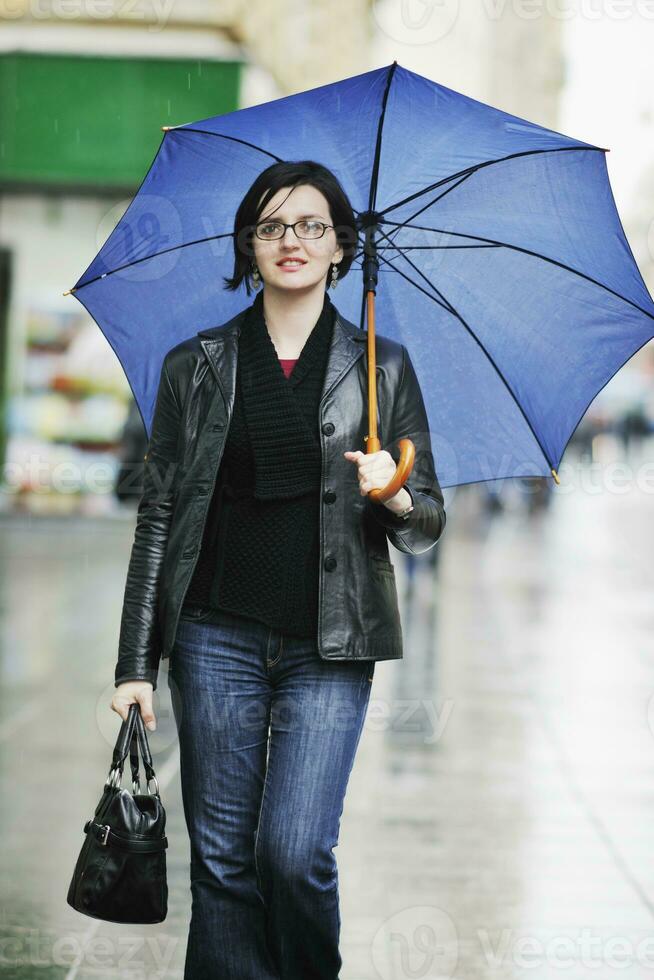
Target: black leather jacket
x,y
358,605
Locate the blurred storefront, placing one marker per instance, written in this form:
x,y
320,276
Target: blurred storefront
x,y
84,92
82,123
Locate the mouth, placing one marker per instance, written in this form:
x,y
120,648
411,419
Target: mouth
x,y
290,263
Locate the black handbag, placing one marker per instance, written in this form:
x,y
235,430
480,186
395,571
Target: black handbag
x,y
120,874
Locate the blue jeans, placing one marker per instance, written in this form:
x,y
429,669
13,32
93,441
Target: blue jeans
x,y
268,733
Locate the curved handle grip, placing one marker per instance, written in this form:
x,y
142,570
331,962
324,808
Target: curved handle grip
x,y
402,473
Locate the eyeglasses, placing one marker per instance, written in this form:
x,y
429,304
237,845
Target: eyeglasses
x,y
268,231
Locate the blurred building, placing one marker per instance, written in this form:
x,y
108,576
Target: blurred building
x,y
84,91
489,51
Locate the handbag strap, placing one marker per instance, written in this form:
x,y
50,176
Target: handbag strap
x,y
140,739
125,736
134,760
131,731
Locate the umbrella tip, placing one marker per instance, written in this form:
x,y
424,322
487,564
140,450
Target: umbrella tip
x,y
166,128
555,475
69,291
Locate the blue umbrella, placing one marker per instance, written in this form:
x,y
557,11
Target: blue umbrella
x,y
494,247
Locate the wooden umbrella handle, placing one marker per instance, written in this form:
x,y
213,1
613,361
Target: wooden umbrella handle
x,y
402,473
373,445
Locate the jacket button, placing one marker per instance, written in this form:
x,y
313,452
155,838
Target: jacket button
x,y
328,428
203,490
217,426
329,496
330,564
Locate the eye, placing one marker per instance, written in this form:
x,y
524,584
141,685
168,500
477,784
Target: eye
x,y
310,227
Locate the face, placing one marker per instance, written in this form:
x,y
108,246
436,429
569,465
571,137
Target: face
x,y
315,255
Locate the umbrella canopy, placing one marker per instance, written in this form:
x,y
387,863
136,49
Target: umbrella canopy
x,y
503,264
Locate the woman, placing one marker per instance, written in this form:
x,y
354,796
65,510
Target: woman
x,y
275,597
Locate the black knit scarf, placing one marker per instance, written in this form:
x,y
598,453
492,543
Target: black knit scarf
x,y
286,449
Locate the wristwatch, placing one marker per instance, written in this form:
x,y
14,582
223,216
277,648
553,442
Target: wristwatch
x,y
405,513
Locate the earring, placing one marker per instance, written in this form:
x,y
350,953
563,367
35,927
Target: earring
x,y
256,277
334,276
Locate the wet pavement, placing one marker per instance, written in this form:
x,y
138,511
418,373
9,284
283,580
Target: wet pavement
x,y
498,822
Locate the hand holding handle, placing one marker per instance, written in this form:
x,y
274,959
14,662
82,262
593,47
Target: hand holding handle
x,y
402,473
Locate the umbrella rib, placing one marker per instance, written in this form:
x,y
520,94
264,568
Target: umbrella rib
x,y
444,194
197,241
527,251
445,248
145,258
129,206
439,197
442,301
374,176
435,248
235,139
409,279
469,171
404,276
423,248
229,234
451,309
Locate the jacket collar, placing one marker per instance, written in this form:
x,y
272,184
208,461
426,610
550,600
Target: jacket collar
x,y
220,345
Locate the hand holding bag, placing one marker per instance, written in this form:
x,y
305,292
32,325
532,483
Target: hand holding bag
x,y
120,874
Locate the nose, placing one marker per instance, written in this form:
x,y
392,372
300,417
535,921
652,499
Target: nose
x,y
292,240
290,244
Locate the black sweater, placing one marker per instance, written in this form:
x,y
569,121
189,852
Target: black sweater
x,y
259,557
